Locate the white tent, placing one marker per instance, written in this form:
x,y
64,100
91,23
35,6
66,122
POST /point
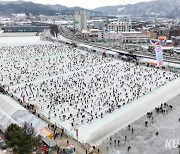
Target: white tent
x,y
12,108
49,141
12,112
5,121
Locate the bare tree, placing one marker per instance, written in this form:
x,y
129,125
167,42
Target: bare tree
x,y
54,30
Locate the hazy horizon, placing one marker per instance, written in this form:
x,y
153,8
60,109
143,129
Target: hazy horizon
x,y
88,4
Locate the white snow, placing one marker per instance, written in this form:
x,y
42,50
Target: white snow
x,y
82,90
101,129
14,41
120,9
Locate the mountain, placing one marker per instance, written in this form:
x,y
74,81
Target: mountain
x,y
57,7
176,13
26,7
162,8
151,8
109,10
36,9
71,10
14,2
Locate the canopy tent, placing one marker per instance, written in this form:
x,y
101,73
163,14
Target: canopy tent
x,y
11,108
12,112
5,121
46,132
36,122
49,142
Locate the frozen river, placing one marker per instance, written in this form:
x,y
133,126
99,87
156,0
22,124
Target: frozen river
x,y
80,90
143,139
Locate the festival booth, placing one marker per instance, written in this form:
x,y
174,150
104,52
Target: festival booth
x,y
152,62
46,132
49,142
149,62
12,109
5,121
12,112
37,123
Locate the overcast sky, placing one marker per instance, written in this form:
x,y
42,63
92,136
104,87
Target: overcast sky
x,y
86,3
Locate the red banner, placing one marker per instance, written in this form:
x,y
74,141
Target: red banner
x,y
23,99
77,132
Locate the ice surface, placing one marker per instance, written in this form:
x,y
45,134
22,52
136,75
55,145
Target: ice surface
x,y
81,90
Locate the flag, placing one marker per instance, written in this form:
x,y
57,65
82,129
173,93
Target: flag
x,y
159,55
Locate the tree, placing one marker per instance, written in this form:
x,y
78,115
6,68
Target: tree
x,y
21,139
54,30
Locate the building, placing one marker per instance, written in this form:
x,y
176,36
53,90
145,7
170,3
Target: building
x,y
24,28
124,37
108,35
134,37
136,25
93,32
176,41
100,24
152,34
173,32
119,26
80,20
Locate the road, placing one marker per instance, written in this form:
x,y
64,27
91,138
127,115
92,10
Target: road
x,y
97,45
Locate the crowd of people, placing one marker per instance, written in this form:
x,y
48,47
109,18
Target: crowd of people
x,y
73,87
78,97
28,63
124,140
